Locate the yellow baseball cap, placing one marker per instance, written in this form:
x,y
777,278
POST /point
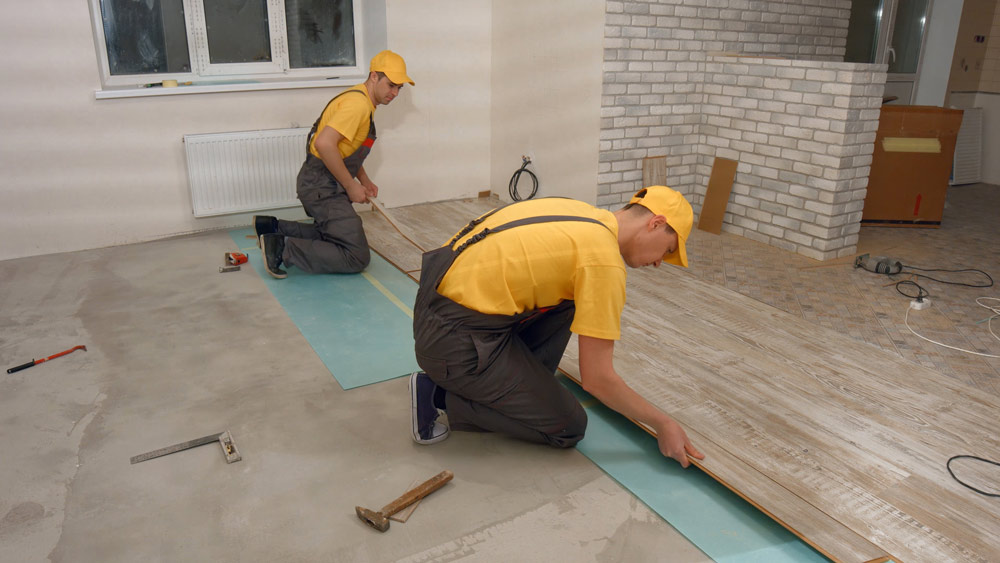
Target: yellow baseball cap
x,y
662,200
392,65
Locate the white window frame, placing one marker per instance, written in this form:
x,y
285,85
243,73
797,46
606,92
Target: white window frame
x,y
275,71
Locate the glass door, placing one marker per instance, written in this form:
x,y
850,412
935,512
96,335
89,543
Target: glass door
x,y
890,32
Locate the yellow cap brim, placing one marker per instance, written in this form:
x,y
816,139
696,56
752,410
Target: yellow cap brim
x,y
678,257
399,78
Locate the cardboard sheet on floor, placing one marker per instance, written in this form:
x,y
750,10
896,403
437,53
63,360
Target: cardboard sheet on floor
x,y
360,325
720,523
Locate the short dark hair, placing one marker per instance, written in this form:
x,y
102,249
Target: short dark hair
x,y
645,211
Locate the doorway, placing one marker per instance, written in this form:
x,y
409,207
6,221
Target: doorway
x,y
889,32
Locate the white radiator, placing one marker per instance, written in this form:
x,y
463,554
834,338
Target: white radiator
x,y
967,165
245,170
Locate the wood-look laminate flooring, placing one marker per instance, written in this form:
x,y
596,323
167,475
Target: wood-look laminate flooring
x,y
839,434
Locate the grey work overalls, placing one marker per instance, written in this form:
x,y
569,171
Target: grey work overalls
x,y
335,243
498,369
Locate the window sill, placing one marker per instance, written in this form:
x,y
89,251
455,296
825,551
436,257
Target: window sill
x,y
221,86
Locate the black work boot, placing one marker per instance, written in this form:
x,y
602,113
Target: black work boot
x,y
264,225
271,247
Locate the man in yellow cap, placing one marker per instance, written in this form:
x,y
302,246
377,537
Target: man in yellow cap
x,y
496,306
331,178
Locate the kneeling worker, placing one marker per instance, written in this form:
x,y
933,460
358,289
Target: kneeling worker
x,y
496,306
331,178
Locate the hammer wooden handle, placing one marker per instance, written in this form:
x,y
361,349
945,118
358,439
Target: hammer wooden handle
x,y
417,493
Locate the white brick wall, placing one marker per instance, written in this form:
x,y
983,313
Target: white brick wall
x,y
801,130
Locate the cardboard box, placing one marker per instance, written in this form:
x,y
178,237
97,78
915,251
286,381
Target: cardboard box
x,y
911,165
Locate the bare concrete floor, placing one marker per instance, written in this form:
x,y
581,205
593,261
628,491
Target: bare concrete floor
x,y
177,351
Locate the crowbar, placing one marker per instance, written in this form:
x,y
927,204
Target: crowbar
x,y
36,362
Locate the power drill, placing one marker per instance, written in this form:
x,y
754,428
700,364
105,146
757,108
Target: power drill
x,y
879,264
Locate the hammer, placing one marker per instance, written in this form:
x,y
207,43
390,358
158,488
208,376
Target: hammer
x,y
380,520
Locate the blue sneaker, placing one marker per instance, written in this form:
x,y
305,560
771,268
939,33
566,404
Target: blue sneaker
x,y
424,415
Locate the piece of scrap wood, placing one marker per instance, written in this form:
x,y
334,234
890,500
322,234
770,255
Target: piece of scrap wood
x,y
654,171
404,515
720,184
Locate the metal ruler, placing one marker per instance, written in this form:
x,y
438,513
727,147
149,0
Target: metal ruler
x,y
224,438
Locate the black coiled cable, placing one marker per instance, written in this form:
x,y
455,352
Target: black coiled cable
x,y
512,187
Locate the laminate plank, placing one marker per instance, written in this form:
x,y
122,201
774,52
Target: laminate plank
x,y
426,227
390,244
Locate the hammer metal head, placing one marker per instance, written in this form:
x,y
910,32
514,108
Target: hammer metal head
x,y
376,520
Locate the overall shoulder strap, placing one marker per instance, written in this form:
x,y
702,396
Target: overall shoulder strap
x,y
315,127
521,222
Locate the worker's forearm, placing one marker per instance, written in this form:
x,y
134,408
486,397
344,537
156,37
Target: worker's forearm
x,y
335,164
615,393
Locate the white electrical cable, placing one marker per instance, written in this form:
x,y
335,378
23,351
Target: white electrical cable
x,y
996,313
989,325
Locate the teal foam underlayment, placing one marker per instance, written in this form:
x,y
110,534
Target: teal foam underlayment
x,y
360,325
723,525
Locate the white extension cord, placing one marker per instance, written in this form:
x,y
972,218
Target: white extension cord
x,y
919,304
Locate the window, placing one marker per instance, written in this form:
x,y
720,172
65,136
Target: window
x,y
148,41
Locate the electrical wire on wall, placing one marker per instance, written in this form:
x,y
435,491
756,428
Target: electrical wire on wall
x,y
512,187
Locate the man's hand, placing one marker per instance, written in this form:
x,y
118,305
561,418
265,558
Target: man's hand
x,y
674,442
356,192
371,190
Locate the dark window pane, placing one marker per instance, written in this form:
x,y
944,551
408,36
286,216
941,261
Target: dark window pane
x,y
237,31
145,36
907,35
320,33
863,31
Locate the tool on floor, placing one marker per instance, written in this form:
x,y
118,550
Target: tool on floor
x,y
36,362
224,438
403,515
233,261
380,520
879,264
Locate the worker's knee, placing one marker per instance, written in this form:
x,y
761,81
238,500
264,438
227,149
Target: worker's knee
x,y
358,260
571,433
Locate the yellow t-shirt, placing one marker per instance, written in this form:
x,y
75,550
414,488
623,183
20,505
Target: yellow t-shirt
x,y
534,266
351,116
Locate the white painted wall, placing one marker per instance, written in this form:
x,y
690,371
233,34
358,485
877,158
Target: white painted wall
x,y
80,173
546,95
435,145
939,48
